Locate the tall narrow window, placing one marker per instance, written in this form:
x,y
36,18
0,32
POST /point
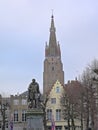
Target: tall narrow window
x,y
0,125
15,115
49,114
23,115
6,124
52,68
58,114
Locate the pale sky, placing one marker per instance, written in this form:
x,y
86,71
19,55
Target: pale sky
x,y
24,29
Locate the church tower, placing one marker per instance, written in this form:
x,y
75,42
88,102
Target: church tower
x,y
53,67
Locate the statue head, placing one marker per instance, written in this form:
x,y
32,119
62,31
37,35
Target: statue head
x,y
33,80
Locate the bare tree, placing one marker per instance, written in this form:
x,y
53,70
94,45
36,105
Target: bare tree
x,y
71,103
65,103
44,105
88,77
4,106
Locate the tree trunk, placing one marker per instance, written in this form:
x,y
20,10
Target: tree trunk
x,y
68,124
81,121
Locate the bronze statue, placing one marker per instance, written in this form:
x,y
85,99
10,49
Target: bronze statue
x,y
33,94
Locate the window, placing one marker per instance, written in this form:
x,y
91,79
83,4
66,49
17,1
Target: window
x,y
53,100
57,89
66,127
58,128
6,124
16,102
49,114
0,125
23,115
48,127
15,115
24,102
52,68
58,114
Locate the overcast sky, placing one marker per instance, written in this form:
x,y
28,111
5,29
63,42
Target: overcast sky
x,y
24,29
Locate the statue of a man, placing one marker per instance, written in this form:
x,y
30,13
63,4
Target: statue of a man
x,y
33,94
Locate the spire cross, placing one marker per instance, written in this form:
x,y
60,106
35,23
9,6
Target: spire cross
x,y
52,11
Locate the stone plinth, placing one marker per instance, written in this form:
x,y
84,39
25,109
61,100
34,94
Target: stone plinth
x,y
34,119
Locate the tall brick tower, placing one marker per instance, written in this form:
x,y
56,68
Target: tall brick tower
x,y
53,67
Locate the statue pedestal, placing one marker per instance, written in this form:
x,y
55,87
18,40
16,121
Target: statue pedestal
x,y
34,118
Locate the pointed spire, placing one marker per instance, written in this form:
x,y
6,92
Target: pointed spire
x,y
52,39
52,28
53,49
52,24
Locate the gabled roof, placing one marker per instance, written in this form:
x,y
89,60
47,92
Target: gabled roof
x,y
57,83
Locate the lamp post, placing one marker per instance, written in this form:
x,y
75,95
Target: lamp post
x,y
3,108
